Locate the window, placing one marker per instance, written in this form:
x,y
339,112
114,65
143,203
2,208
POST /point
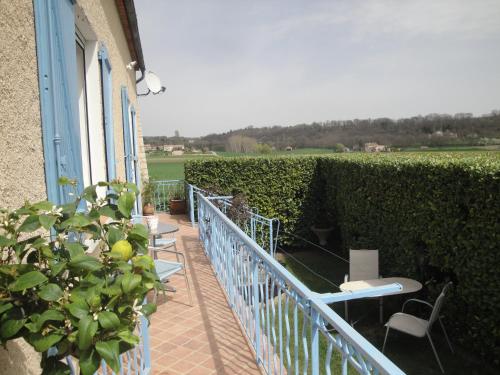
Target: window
x,y
90,106
83,110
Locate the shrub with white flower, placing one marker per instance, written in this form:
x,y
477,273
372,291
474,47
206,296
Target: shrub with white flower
x,y
58,296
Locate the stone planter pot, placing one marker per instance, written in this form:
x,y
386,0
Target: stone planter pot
x,y
177,206
322,234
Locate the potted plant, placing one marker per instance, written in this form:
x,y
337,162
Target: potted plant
x,y
322,226
63,300
148,194
177,201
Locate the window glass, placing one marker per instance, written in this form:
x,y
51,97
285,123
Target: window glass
x,y
83,112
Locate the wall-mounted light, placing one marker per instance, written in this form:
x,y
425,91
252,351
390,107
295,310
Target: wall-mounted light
x,y
154,84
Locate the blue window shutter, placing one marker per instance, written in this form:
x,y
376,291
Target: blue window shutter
x,y
55,36
127,136
107,100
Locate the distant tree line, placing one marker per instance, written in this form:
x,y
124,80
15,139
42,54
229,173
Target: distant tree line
x,y
430,130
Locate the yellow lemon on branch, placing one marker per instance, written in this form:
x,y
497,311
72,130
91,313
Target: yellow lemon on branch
x,y
123,248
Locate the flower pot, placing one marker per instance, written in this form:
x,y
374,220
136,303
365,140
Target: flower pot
x,y
148,209
177,206
322,234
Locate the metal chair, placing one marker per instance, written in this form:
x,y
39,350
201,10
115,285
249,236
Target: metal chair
x,y
363,265
418,327
166,269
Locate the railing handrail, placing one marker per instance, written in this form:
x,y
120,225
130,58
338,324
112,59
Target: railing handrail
x,y
355,339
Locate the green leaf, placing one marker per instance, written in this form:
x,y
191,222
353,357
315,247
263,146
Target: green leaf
x,y
86,263
114,235
78,309
74,248
89,361
130,281
90,194
109,351
10,327
39,321
31,224
129,337
126,203
108,212
50,292
56,267
27,280
5,306
77,221
43,343
47,221
87,328
6,242
139,232
108,320
148,308
43,205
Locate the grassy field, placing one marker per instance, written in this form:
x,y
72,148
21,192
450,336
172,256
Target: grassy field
x,y
164,167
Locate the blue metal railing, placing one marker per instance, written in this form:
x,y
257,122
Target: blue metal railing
x,y
164,191
290,328
261,229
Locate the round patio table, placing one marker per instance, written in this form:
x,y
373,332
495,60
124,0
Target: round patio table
x,y
408,286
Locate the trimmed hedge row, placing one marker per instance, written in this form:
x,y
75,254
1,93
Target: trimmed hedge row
x,y
441,211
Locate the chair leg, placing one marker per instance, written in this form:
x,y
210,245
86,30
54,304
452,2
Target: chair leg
x,y
188,288
385,338
446,335
435,353
176,253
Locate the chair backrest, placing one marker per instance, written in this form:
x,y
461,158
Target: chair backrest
x,y
363,265
439,303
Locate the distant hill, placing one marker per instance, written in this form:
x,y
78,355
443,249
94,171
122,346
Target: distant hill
x,y
429,130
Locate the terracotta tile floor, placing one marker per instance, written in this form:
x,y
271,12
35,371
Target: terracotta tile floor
x,y
204,338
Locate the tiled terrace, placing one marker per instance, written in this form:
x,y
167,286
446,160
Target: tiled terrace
x,y
204,338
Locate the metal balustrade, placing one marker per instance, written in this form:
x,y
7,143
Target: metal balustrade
x,y
164,191
261,229
290,328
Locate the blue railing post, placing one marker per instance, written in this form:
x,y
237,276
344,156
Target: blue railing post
x,y
315,320
145,341
191,204
256,312
271,242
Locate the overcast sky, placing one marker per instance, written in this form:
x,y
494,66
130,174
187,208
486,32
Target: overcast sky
x,y
230,64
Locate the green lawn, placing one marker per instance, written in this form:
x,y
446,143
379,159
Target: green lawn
x,y
412,355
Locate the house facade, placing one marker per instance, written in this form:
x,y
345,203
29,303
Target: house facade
x,y
69,107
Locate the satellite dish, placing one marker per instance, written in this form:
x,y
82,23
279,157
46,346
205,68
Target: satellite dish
x,y
153,82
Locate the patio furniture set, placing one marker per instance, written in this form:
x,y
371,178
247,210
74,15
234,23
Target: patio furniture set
x,y
364,274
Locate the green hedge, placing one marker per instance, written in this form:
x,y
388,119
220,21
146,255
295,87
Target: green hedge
x,y
442,210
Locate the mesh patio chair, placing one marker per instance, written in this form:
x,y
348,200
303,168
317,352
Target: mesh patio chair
x,y
363,265
418,327
165,268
